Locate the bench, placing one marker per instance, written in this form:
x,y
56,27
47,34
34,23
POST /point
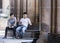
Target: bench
x,y
34,31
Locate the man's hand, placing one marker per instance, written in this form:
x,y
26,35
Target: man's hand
x,y
20,23
12,26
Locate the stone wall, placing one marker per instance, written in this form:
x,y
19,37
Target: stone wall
x,y
58,16
31,9
46,15
46,11
6,7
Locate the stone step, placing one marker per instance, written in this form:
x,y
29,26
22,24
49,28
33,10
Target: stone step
x,y
2,32
16,40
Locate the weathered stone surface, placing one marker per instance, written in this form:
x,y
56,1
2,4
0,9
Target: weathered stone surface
x,y
58,17
16,40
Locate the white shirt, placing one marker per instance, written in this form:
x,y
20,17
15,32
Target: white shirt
x,y
25,21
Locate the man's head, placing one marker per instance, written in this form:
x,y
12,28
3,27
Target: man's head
x,y
11,15
25,16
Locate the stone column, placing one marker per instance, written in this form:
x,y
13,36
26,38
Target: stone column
x,y
54,16
58,16
24,6
15,7
37,14
40,18
31,9
21,8
45,15
0,4
6,7
18,9
46,12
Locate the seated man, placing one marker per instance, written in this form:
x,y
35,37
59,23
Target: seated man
x,y
11,25
23,25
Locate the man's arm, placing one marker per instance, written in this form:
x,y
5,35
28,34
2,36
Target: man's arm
x,y
20,23
15,22
30,22
8,24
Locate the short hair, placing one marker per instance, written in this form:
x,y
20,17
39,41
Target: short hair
x,y
25,13
11,14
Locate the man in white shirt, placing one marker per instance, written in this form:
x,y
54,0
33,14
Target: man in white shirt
x,y
23,25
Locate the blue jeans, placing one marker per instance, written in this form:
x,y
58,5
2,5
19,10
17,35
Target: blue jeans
x,y
21,29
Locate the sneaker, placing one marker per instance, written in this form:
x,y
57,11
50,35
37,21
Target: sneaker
x,y
14,37
20,37
4,37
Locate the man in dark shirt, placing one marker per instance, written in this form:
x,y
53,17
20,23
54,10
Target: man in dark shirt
x,y
11,25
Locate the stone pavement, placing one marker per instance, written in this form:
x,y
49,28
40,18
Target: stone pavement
x,y
15,40
3,23
10,40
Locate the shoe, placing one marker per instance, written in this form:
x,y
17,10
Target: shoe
x,y
4,37
20,37
14,37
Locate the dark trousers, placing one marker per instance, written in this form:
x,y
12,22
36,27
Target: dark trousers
x,y
13,29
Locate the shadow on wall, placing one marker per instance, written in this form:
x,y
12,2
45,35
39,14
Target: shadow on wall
x,y
43,34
